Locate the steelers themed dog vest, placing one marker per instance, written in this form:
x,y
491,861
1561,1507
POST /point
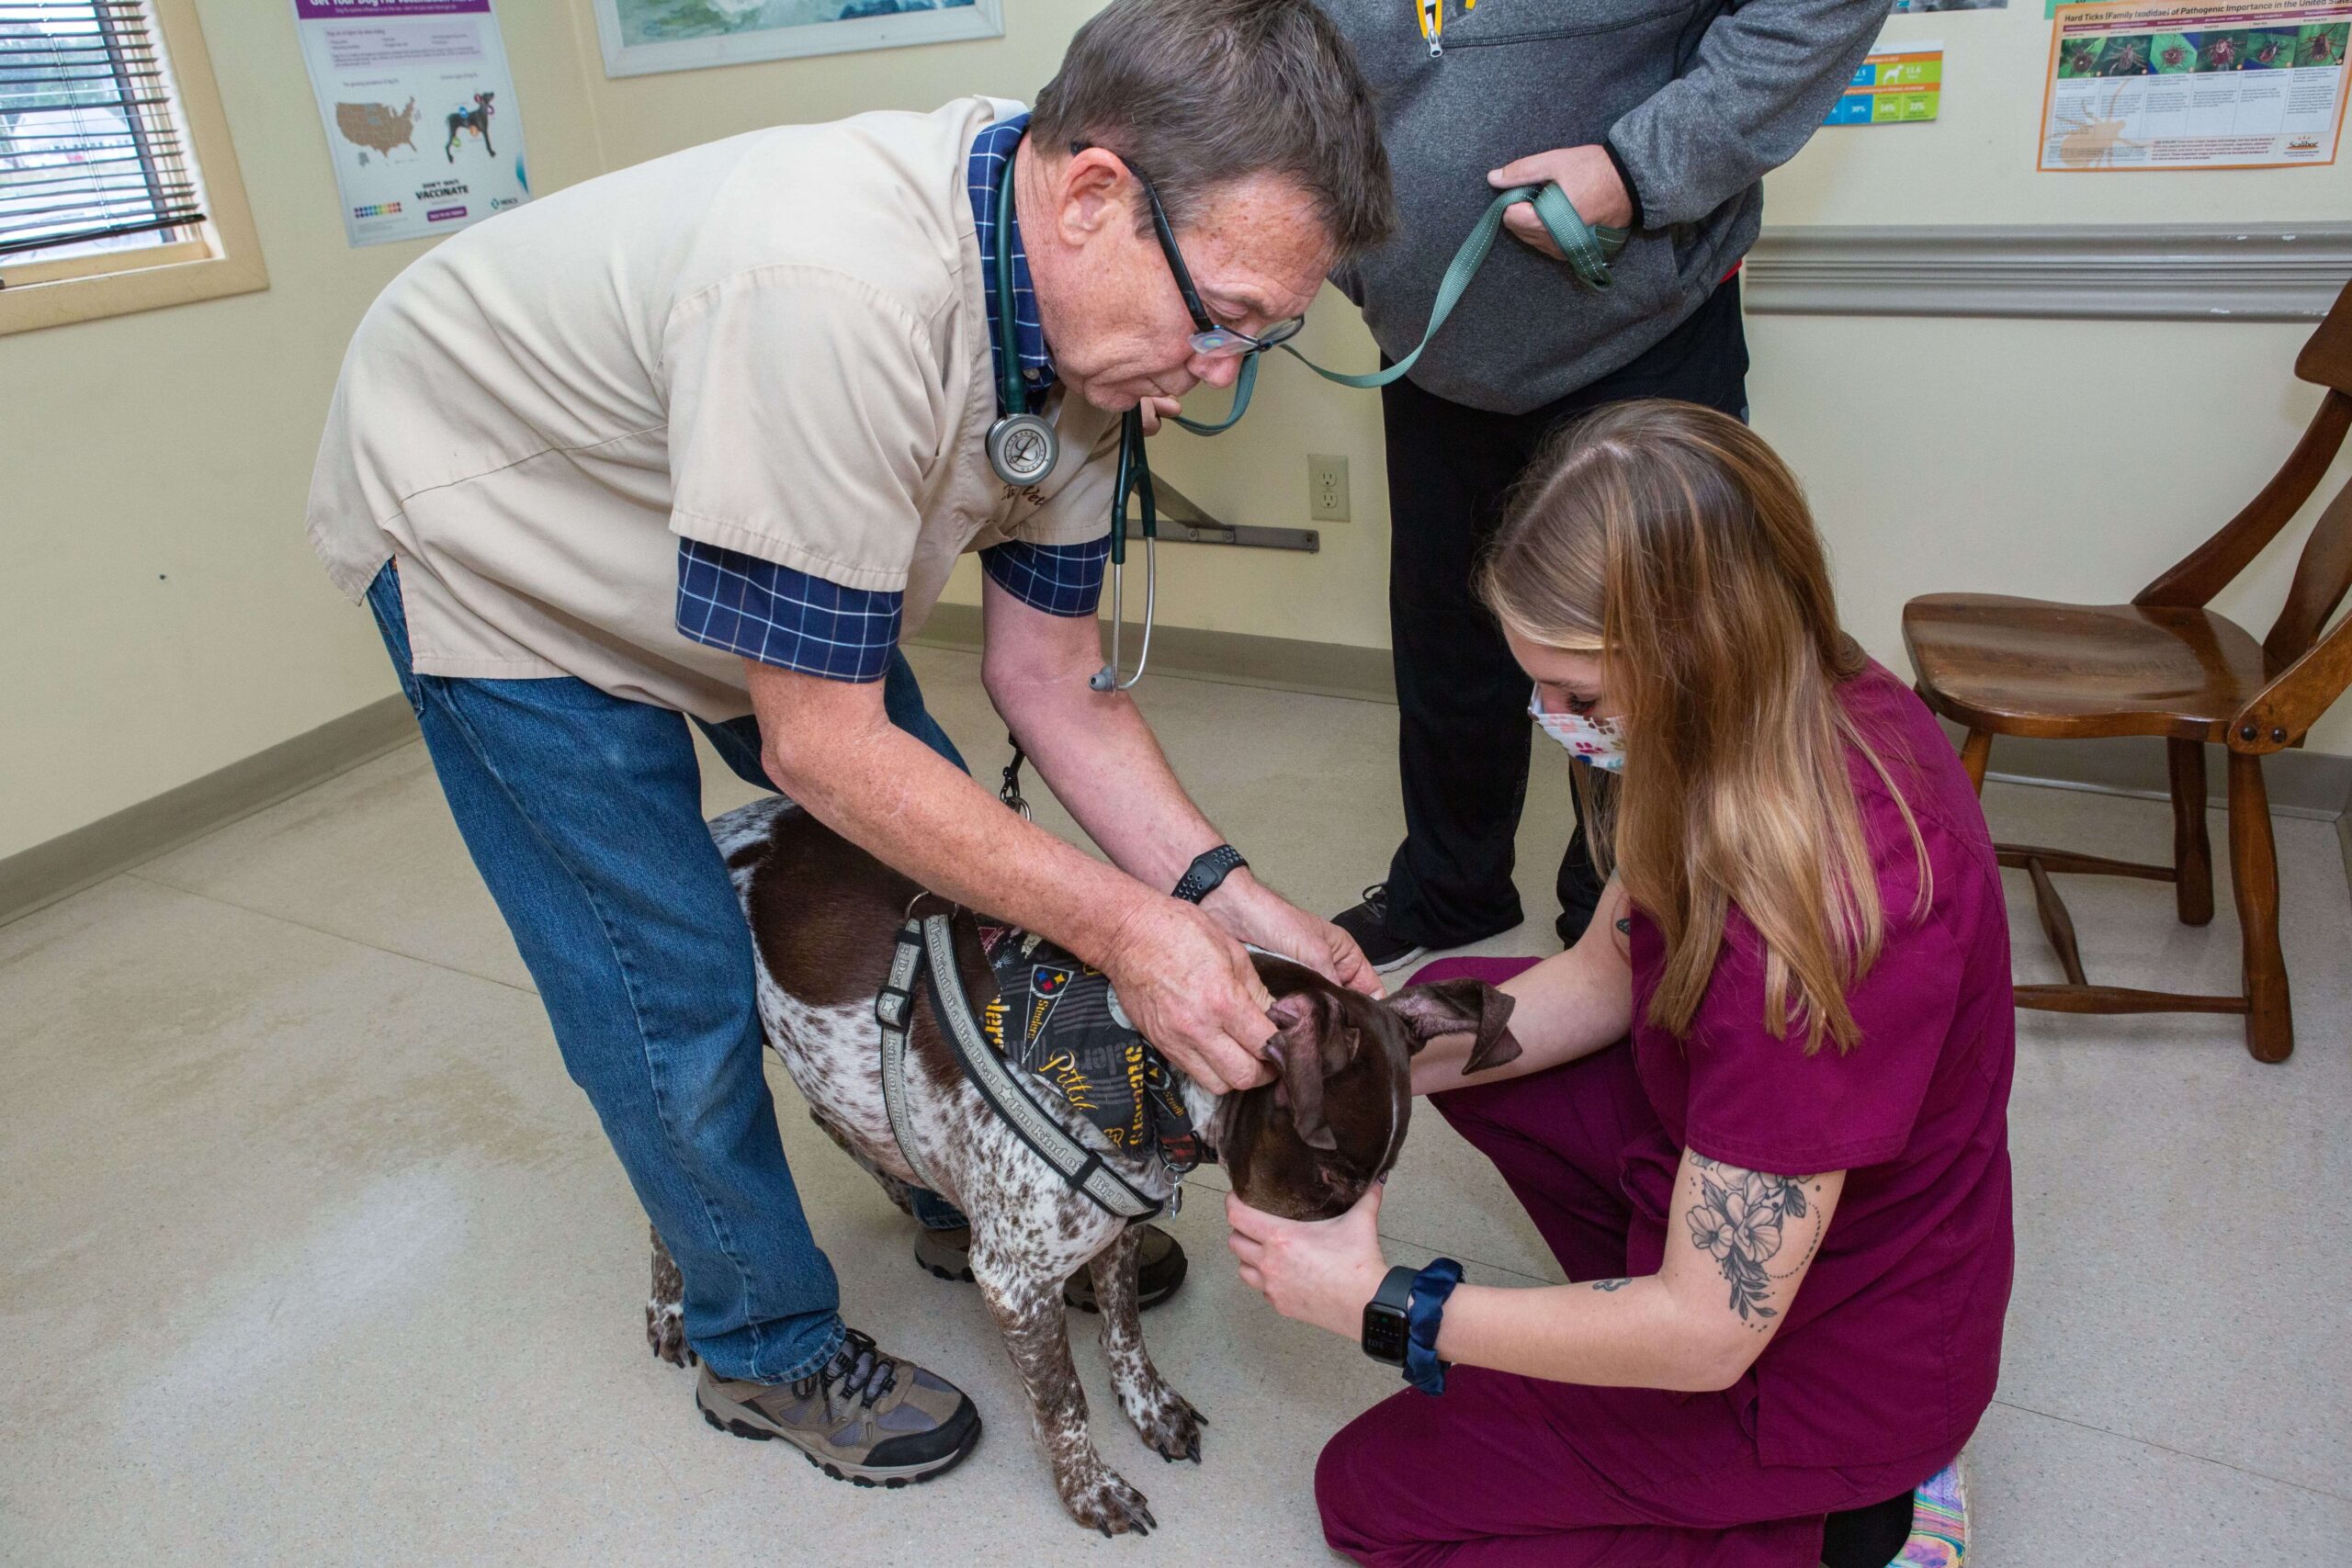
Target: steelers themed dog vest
x,y
1059,1020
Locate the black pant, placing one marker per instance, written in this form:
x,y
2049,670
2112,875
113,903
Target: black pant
x,y
1462,701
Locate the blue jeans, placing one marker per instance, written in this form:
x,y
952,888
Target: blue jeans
x,y
583,814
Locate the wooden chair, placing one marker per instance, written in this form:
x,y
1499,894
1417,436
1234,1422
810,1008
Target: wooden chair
x,y
2166,665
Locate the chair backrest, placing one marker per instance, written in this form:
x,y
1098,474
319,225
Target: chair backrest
x,y
2321,576
2326,359
2323,573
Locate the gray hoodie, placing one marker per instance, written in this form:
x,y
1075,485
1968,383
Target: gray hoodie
x,y
1695,98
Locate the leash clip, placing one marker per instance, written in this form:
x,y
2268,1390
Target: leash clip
x,y
1008,792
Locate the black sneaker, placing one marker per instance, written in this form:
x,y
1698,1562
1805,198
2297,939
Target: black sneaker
x,y
868,1418
1161,1266
1368,923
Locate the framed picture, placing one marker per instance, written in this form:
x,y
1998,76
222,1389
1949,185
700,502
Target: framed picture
x,y
641,36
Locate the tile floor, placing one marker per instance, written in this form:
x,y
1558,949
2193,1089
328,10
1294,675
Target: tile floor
x,y
316,1256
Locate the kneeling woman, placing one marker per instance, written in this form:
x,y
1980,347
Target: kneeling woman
x,y
1760,1114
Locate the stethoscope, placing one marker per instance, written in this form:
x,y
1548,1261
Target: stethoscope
x,y
1023,446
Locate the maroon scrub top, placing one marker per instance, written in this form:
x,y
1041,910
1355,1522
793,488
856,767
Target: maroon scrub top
x,y
1892,1344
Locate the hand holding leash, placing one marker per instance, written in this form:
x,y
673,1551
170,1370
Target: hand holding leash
x,y
1587,176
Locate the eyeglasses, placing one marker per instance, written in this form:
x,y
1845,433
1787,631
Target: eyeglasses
x,y
1209,340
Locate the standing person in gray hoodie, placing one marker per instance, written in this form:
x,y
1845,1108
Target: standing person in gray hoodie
x,y
1657,116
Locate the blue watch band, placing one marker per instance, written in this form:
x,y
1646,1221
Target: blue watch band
x,y
1422,1314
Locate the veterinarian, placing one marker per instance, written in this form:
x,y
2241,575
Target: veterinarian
x,y
702,439
1662,120
1760,1112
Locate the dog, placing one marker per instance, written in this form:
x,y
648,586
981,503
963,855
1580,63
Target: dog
x,y
475,119
825,917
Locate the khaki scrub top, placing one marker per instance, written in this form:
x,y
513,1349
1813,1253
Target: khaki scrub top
x,y
774,344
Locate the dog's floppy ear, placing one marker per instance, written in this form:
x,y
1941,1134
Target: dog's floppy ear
x,y
1460,1007
1298,1050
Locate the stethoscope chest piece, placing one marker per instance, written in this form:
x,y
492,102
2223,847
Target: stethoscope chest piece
x,y
1023,448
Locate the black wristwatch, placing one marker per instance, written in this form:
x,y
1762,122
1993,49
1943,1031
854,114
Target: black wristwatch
x,y
1384,1317
1207,872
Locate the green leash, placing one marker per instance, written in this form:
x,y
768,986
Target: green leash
x,y
1589,248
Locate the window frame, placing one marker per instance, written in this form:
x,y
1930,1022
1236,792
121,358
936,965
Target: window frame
x,y
223,257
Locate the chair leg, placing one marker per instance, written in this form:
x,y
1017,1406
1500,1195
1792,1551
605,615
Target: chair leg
x,y
1974,753
2192,852
2254,871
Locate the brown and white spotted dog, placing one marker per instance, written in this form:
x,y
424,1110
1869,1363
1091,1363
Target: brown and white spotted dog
x,y
825,916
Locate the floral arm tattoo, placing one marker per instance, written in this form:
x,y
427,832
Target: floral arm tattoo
x,y
1742,1220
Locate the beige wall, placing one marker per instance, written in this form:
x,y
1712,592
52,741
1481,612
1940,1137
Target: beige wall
x,y
160,616
2068,460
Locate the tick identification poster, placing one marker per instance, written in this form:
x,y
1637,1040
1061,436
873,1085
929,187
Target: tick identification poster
x,y
2159,84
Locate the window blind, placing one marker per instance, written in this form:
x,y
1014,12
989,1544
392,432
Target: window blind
x,y
90,143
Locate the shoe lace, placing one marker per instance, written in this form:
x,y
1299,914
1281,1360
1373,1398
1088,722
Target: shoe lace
x,y
858,1372
1375,899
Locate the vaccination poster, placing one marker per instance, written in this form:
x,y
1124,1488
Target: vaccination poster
x,y
420,113
2160,84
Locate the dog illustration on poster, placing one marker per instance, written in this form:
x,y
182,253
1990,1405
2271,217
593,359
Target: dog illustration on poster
x,y
474,121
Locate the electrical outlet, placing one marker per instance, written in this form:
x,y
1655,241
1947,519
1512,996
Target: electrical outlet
x,y
1327,488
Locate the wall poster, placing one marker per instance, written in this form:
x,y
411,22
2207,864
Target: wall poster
x,y
1898,83
2159,84
645,36
420,113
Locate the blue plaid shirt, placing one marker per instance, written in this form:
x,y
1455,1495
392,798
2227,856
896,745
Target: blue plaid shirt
x,y
776,614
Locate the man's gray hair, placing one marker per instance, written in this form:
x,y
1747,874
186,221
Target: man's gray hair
x,y
1199,93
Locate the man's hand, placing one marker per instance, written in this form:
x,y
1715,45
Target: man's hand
x,y
1154,410
1193,992
1584,173
1258,915
1316,1272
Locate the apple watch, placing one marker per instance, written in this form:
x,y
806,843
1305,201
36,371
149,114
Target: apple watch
x,y
1385,1337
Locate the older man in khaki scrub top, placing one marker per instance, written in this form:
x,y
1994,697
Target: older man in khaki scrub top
x,y
702,438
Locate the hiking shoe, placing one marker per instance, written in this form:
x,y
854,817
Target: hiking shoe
x,y
1368,923
866,1418
1161,1265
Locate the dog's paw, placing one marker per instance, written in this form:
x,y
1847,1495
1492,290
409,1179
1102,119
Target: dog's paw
x,y
1099,1498
666,1331
1168,1424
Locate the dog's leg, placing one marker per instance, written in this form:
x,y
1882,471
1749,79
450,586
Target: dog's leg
x,y
665,1309
1170,1426
895,1189
1026,1303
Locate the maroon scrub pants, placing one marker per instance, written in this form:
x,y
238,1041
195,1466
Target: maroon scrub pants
x,y
1512,1470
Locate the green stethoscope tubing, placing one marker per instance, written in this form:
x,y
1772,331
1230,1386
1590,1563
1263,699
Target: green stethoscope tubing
x,y
1588,247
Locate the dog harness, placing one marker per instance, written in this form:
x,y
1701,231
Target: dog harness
x,y
1060,1020
926,947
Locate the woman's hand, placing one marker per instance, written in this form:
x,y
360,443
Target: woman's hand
x,y
1320,1271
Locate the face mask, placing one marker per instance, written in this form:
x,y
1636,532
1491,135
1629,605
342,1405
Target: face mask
x,y
1600,741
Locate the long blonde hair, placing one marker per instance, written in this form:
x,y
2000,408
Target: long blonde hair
x,y
1672,540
